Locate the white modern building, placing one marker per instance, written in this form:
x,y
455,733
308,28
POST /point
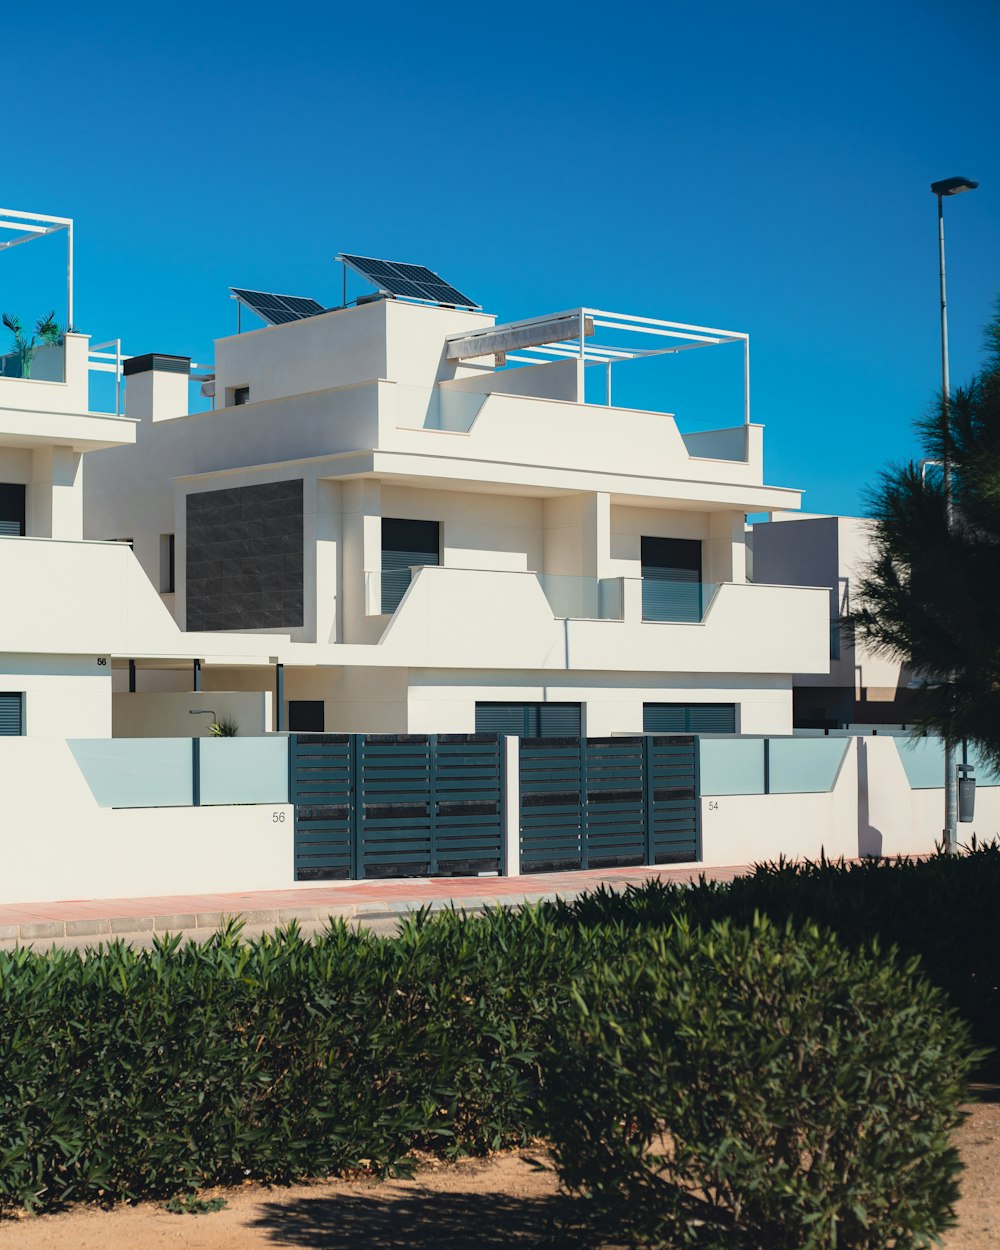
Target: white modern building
x,y
399,516
448,533
862,687
71,608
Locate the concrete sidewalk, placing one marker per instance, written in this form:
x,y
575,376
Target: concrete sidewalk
x,y
368,900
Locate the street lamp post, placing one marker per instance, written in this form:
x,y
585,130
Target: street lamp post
x,y
948,186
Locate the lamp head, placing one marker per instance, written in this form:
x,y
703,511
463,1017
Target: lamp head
x,y
953,186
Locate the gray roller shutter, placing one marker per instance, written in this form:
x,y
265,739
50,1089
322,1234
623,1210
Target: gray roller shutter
x,y
689,718
11,714
671,579
12,509
405,544
530,720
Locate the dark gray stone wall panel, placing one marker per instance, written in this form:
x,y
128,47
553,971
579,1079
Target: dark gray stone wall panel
x,y
245,557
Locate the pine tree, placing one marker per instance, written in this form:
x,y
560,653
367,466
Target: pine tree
x,y
931,593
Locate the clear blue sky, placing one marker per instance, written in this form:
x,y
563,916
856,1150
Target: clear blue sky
x,y
757,167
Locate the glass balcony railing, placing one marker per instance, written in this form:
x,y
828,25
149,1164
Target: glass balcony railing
x,y
574,598
583,598
45,363
666,600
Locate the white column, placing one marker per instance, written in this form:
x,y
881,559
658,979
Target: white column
x,y
512,806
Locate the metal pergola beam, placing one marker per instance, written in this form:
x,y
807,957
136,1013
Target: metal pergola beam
x,y
505,338
15,219
564,335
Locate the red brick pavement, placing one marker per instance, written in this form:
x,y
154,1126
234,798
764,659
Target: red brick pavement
x,y
186,911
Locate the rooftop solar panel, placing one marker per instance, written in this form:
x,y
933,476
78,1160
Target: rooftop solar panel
x,y
410,281
277,309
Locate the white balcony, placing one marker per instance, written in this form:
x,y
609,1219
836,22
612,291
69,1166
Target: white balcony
x,y
487,619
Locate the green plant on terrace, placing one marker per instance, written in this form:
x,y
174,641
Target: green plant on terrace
x,y
224,727
47,334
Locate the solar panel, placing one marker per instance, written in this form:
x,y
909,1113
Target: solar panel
x,y
410,281
276,310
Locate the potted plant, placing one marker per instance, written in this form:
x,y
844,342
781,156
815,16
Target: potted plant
x,y
47,334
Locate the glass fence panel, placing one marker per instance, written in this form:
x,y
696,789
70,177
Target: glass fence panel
x,y
583,598
611,598
732,765
45,363
923,762
664,600
244,770
136,772
805,765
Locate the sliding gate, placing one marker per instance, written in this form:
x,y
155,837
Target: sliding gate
x,y
396,805
599,802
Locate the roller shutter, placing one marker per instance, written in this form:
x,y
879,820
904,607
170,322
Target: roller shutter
x,y
671,579
405,544
11,714
689,718
530,720
12,509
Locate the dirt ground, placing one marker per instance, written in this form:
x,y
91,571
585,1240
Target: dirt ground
x,y
472,1205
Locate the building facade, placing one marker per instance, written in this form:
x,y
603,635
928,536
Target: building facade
x,y
441,541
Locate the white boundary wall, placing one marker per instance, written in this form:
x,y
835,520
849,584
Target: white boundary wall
x,y
871,810
57,843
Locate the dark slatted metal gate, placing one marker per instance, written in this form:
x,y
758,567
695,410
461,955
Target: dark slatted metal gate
x,y
598,802
373,805
321,786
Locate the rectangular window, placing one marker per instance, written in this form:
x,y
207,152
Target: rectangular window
x,y
241,395
306,716
12,509
530,720
689,718
167,564
671,579
405,545
11,714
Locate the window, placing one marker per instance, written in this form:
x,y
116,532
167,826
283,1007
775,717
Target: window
x,y
530,720
405,544
167,564
689,718
11,714
12,509
306,716
241,394
671,579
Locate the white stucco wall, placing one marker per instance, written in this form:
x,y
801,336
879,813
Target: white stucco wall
x,y
56,843
64,695
169,715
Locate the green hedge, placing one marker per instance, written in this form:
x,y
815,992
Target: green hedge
x,y
755,1087
944,909
128,1073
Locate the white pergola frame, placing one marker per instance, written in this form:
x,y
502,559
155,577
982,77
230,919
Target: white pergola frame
x,y
32,226
564,336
